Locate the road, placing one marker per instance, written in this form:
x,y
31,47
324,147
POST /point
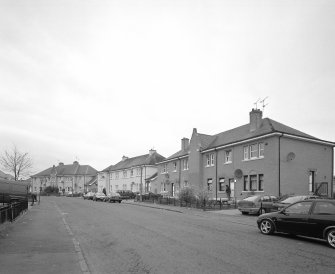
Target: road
x,y
72,235
126,238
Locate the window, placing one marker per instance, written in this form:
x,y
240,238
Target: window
x,y
324,208
164,168
185,183
138,171
116,187
246,183
209,184
124,173
299,208
254,151
261,150
174,166
185,164
131,173
246,153
124,186
253,182
260,182
311,179
221,184
117,175
227,158
210,159
111,176
208,162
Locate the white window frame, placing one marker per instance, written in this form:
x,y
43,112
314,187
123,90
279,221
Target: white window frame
x,y
228,156
260,150
174,166
212,159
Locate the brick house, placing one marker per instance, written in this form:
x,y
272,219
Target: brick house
x,y
72,178
130,173
263,156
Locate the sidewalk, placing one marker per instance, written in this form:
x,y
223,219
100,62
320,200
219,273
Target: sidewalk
x,y
230,212
37,242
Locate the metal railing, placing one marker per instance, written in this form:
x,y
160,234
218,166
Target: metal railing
x,y
9,212
204,204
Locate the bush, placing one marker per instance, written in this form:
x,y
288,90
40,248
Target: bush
x,y
51,190
187,195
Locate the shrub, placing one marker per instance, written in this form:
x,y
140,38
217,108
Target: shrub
x,y
51,189
187,195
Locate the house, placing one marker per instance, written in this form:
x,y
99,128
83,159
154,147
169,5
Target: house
x,y
74,178
263,156
130,173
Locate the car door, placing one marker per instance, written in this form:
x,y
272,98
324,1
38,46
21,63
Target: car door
x,y
295,218
322,216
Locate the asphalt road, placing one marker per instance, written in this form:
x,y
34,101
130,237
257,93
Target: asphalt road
x,y
127,238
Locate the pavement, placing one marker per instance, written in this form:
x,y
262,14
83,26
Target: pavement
x,y
38,242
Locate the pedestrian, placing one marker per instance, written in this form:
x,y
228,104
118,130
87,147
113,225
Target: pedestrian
x,y
228,192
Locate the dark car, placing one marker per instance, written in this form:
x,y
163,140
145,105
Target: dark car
x,y
290,200
113,197
311,218
257,204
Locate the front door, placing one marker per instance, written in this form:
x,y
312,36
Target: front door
x,y
172,186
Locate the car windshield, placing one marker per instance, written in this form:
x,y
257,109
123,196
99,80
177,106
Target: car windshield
x,y
292,200
251,198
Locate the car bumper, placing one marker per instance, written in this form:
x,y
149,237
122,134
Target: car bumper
x,y
250,210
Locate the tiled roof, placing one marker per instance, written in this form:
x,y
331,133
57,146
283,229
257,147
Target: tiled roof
x,y
74,169
243,133
146,159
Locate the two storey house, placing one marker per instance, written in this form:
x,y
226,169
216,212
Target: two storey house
x,y
263,156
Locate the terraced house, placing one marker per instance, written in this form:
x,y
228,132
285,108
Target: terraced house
x,y
132,174
263,156
74,178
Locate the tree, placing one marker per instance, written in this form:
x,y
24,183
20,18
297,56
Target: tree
x,y
16,162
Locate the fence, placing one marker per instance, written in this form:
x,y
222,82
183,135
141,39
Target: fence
x,y
11,211
204,204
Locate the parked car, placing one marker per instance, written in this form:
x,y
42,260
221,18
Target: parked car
x,y
126,194
290,200
113,197
312,218
88,195
99,196
257,204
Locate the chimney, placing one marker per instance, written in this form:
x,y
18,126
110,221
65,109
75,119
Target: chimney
x,y
151,151
184,143
255,119
124,158
61,164
75,163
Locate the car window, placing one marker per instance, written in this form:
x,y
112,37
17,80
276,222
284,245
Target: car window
x,y
299,208
324,208
293,199
251,198
265,199
274,198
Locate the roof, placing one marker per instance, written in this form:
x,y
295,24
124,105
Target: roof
x,y
243,133
4,175
146,159
68,170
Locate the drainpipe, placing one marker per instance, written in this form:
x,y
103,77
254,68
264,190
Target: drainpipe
x,y
216,175
332,178
179,175
279,167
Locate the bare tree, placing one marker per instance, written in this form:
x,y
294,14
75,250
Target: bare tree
x,y
16,162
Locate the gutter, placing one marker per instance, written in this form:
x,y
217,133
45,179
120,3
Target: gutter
x,y
279,167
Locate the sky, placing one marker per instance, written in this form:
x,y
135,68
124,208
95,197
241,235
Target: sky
x,y
95,80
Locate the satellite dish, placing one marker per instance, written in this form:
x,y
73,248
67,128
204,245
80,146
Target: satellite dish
x,y
290,156
238,173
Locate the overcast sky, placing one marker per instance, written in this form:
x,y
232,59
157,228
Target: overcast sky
x,y
95,80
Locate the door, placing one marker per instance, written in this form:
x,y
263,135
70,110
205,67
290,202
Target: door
x,y
172,186
294,219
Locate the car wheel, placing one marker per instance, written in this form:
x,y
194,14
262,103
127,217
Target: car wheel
x,y
244,213
331,237
261,211
266,227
